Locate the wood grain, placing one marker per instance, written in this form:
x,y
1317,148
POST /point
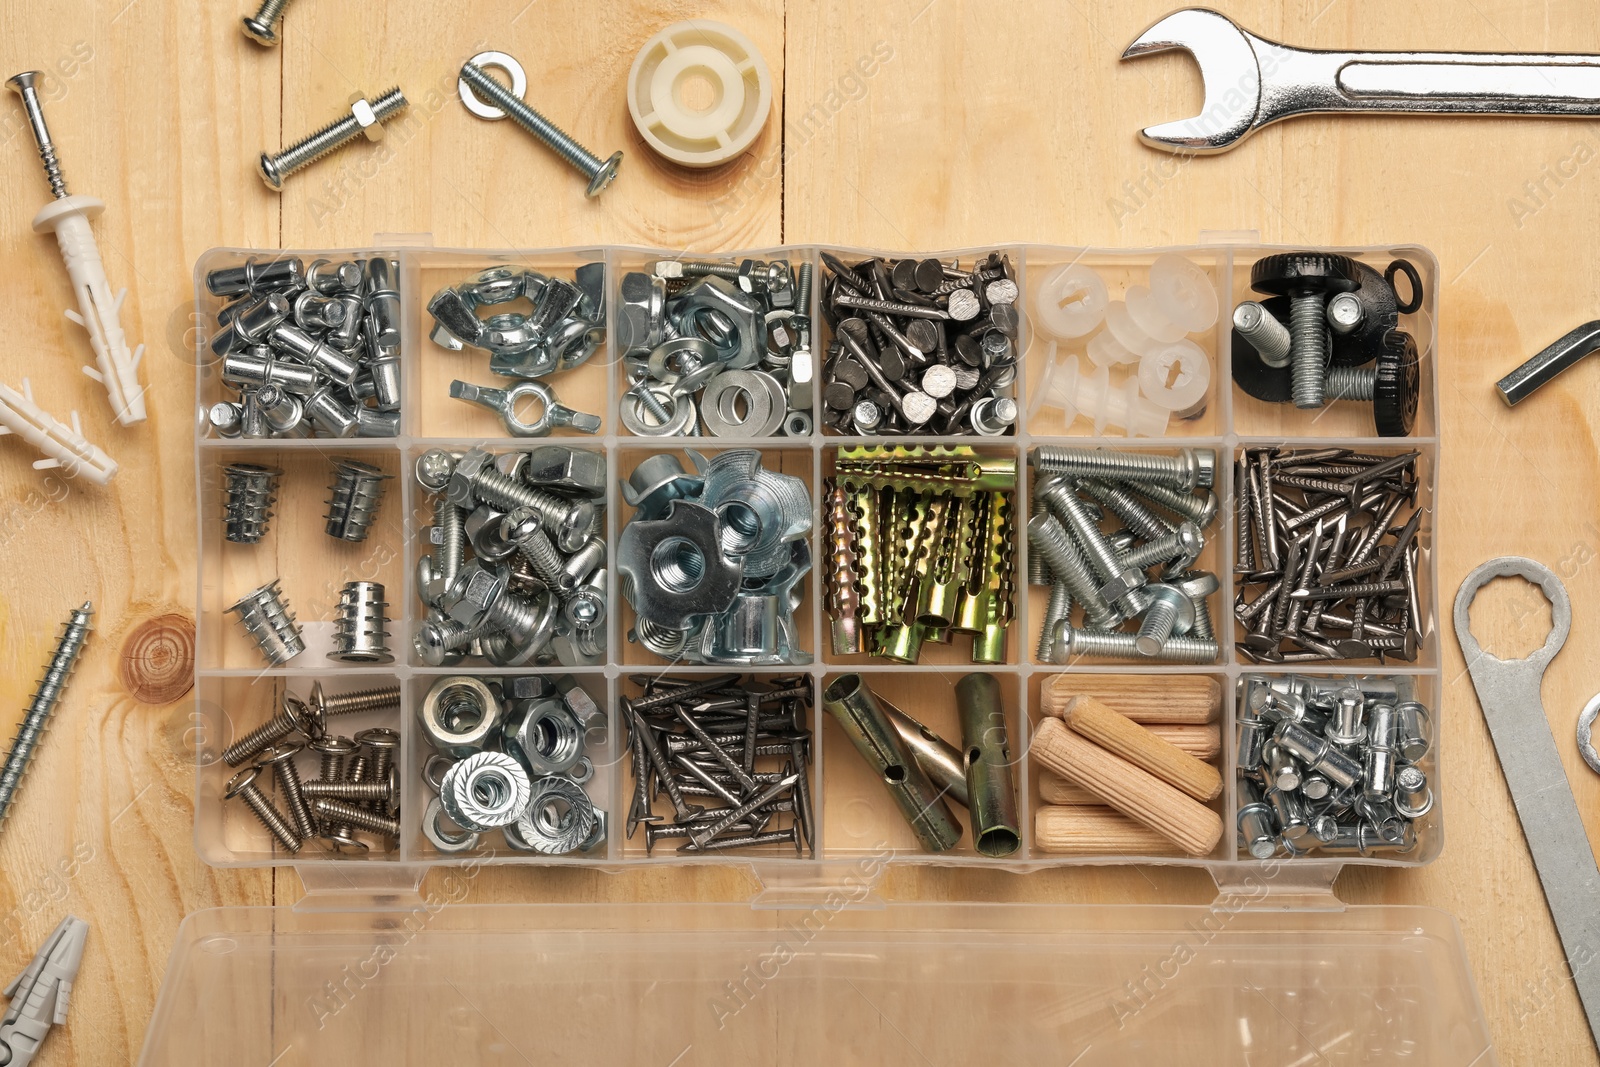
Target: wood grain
x,y
1142,748
976,124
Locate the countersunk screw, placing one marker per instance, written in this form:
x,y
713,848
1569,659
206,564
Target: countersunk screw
x,y
43,704
24,84
600,172
243,786
364,118
262,27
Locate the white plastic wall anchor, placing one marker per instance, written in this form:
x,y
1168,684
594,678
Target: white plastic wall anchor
x,y
1150,316
725,60
1175,377
1065,388
1070,301
99,310
1184,292
64,446
1121,341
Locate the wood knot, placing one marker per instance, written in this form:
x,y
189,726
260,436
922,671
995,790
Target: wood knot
x,y
158,659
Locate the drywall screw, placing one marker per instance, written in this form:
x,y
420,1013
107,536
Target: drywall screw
x,y
290,717
599,172
1191,468
281,760
43,704
1096,643
262,27
365,118
266,617
347,814
25,86
242,785
1265,333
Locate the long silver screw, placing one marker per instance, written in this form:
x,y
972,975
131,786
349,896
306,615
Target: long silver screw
x,y
1191,468
364,118
262,27
600,172
43,704
24,84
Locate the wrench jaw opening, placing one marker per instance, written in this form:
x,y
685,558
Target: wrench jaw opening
x,y
1536,574
1229,69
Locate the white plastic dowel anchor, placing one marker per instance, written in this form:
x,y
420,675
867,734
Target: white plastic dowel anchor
x,y
1070,301
117,368
1065,387
64,446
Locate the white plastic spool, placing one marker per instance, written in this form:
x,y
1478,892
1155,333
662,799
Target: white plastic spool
x,y
99,311
63,446
741,89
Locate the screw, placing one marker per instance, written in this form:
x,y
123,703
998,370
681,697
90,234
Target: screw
x,y
1170,612
242,785
599,172
381,790
376,698
290,717
365,118
348,814
281,760
1049,538
1057,610
1189,469
1269,336
1094,643
1122,587
25,85
43,704
262,27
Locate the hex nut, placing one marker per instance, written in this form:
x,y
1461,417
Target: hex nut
x,y
461,491
459,715
749,341
640,314
366,118
548,737
475,591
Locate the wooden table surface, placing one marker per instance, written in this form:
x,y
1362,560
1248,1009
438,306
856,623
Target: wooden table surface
x,y
903,123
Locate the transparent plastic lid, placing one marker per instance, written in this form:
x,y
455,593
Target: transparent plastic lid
x,y
838,981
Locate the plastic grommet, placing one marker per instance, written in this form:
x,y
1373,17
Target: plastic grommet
x,y
741,92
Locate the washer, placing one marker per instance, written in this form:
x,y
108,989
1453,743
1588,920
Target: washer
x,y
766,404
713,53
493,61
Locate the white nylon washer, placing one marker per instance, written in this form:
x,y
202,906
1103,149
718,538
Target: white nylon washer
x,y
496,61
741,92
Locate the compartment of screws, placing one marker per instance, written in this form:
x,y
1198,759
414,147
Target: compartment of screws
x,y
921,346
515,568
1337,765
1122,554
717,347
520,761
301,347
1331,552
719,763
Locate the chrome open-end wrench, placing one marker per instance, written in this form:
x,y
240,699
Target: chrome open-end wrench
x,y
1508,693
1251,81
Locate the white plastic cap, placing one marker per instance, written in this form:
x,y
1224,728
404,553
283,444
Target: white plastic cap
x,y
1070,301
721,58
1175,377
1065,387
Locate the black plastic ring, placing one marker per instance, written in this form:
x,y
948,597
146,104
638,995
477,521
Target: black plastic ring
x,y
1404,266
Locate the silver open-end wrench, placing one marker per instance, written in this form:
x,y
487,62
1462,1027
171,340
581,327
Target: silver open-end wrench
x,y
1251,81
1508,693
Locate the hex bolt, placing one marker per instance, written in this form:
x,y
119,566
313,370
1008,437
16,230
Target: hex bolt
x,y
364,119
600,172
262,27
1049,538
242,786
1121,586
1057,610
43,704
1191,468
1169,613
1097,644
281,760
346,813
1265,333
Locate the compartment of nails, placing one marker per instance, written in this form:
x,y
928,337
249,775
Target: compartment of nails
x,y
921,346
515,571
717,347
1335,765
719,764
306,350
519,759
1329,553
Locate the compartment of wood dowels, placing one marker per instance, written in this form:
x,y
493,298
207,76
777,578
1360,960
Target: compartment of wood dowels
x,y
1127,765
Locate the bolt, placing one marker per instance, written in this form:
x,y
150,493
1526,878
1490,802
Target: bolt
x,y
290,717
524,527
1048,538
1351,383
1057,610
599,172
377,698
1179,549
26,86
242,786
1189,469
1094,643
1122,586
43,704
262,27
281,760
1268,336
365,118
346,813
1170,612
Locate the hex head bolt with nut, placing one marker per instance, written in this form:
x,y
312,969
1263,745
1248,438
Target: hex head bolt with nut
x,y
1308,279
365,119
495,101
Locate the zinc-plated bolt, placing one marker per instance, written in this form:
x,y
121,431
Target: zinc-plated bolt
x,y
1120,501
1345,313
1266,334
291,717
1122,585
1351,383
1048,538
524,528
1058,608
364,119
43,704
243,786
600,172
1180,547
262,27
1094,643
25,85
1191,468
1199,508
1170,612
381,790
651,403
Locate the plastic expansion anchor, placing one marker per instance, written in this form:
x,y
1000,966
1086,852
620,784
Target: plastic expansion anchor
x,y
41,994
64,446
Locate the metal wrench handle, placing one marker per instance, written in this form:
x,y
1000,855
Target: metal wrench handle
x,y
1508,693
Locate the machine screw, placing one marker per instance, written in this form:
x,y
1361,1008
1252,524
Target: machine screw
x,y
242,786
1262,329
1308,279
281,760
600,172
290,718
365,119
1102,644
377,698
43,704
1191,468
262,27
348,814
